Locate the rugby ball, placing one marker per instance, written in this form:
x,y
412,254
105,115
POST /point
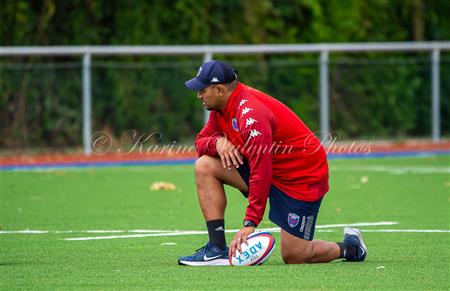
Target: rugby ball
x,y
260,247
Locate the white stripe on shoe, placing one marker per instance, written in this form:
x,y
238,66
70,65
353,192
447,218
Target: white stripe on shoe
x,y
218,262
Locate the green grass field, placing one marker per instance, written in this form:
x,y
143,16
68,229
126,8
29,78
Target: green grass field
x,y
411,191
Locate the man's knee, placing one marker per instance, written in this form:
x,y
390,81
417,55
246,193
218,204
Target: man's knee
x,y
205,165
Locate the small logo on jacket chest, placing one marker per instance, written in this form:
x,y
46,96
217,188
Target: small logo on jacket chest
x,y
234,124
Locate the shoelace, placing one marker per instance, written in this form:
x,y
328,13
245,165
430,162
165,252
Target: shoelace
x,y
201,249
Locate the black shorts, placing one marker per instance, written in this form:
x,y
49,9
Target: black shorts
x,y
294,216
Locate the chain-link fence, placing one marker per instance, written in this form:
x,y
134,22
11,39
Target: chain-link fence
x,y
372,95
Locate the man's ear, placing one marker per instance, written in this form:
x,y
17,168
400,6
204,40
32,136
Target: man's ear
x,y
220,89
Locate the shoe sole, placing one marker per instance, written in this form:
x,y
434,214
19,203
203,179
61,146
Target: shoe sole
x,y
354,231
218,262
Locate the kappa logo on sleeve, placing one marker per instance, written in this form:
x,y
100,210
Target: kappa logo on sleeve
x,y
250,121
243,101
246,110
254,133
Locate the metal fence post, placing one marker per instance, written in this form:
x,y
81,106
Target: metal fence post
x,y
324,97
435,98
207,57
87,103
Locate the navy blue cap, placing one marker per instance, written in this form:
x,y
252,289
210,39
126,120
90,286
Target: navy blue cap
x,y
210,73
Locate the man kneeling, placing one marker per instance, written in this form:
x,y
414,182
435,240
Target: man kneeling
x,y
256,144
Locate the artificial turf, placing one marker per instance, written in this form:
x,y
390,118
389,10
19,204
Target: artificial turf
x,y
411,191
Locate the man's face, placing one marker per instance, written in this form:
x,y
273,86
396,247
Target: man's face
x,y
209,97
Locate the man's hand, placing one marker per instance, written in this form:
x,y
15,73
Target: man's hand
x,y
239,237
229,154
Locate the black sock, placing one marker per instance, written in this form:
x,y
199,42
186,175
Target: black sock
x,y
216,232
347,251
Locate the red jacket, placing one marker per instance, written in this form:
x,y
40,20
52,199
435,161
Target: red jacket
x,y
280,149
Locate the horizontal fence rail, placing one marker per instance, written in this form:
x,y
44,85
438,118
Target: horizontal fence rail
x,y
224,49
208,51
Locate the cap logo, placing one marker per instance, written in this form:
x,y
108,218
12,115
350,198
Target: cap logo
x,y
199,71
214,80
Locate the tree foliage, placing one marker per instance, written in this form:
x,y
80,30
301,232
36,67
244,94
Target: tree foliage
x,y
371,94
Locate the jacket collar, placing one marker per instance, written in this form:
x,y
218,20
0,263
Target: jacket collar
x,y
232,100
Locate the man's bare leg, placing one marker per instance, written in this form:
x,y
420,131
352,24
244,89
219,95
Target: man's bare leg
x,y
295,250
210,177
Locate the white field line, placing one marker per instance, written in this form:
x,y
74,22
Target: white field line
x,y
190,232
138,233
263,229
147,231
27,231
358,224
408,230
272,230
396,170
395,230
